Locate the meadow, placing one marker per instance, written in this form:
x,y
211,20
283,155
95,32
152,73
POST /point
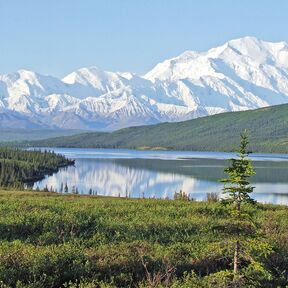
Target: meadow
x,y
54,240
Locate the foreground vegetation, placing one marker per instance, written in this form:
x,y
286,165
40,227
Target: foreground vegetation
x,y
54,240
18,167
268,129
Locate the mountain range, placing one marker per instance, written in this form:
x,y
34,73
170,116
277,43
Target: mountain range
x,y
242,74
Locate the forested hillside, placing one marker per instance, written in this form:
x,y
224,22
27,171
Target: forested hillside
x,y
268,129
18,167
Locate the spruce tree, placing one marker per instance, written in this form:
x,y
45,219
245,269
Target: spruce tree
x,y
66,188
238,189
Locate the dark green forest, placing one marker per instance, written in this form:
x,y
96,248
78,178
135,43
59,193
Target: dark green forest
x,y
18,167
268,129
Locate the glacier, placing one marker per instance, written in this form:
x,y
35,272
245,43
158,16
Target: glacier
x,y
242,74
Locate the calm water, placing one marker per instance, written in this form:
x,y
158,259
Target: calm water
x,y
160,174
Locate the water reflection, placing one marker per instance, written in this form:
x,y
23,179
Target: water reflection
x,y
148,174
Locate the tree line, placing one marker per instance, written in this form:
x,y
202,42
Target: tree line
x,y
18,167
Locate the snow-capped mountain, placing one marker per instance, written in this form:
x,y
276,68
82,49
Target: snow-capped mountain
x,y
242,74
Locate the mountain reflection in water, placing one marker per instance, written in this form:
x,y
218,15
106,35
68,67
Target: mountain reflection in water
x,y
160,175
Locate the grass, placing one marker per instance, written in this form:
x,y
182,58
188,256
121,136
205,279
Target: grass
x,y
53,240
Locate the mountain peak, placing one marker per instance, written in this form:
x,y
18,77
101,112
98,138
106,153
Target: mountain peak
x,y
26,72
244,73
20,74
244,51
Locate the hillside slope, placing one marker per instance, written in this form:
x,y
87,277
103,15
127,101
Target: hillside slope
x,y
21,134
268,133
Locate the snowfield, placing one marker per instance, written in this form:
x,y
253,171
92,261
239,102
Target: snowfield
x,y
242,74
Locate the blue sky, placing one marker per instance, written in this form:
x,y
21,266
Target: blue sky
x,y
59,36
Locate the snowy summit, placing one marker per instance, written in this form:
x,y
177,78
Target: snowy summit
x,y
242,74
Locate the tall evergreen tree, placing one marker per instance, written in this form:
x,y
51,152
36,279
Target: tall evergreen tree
x,y
238,189
66,188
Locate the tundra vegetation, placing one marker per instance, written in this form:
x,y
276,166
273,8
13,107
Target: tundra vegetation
x,y
55,240
66,240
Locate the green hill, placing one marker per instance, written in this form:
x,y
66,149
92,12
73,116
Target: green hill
x,y
268,133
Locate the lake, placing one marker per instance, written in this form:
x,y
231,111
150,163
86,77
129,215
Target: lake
x,y
160,174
